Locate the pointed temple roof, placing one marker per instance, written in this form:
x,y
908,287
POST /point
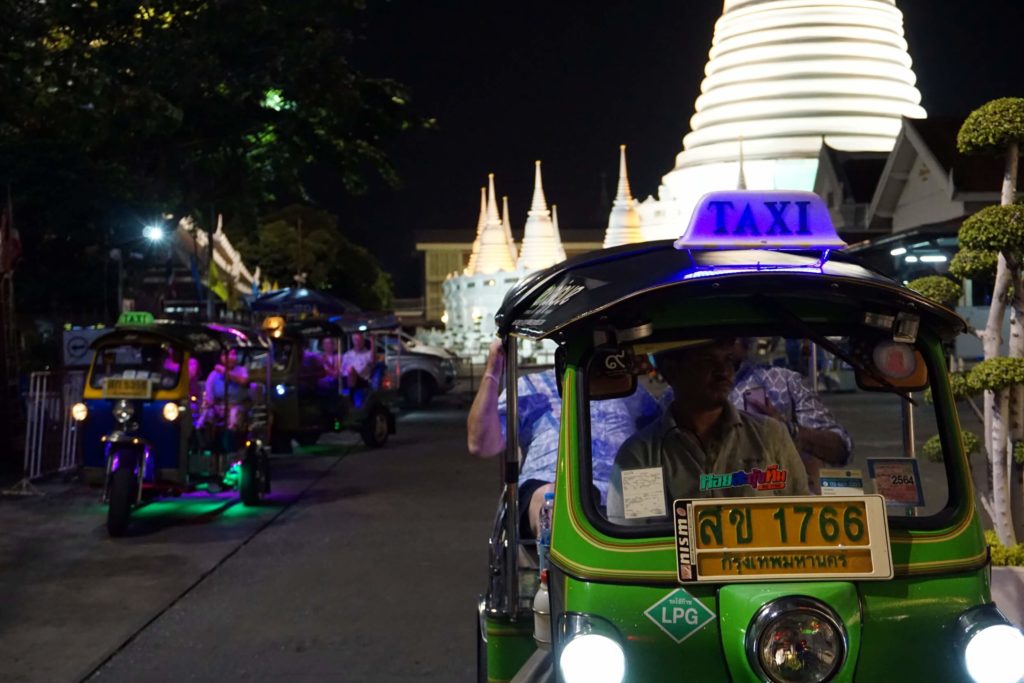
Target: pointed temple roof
x,y
542,244
474,255
506,223
624,221
494,254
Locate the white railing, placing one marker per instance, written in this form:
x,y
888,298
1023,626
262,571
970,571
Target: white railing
x,y
48,413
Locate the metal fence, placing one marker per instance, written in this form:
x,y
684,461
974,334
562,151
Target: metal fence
x,y
51,435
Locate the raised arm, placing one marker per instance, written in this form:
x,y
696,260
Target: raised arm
x,y
484,437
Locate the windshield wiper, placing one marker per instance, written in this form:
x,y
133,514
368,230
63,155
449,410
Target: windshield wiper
x,y
793,319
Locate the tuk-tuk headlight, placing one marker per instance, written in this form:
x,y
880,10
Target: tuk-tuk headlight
x,y
123,410
796,640
993,649
590,651
171,411
79,412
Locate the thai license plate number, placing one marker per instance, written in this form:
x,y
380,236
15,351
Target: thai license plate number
x,y
114,387
754,539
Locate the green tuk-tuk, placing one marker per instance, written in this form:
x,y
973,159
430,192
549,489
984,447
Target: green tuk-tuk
x,y
715,537
310,398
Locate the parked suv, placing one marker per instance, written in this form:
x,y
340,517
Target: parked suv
x,y
424,371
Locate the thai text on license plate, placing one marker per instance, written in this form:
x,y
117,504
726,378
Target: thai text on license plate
x,y
782,538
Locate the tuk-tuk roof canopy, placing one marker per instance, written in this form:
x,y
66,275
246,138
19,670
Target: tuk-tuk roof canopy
x,y
549,302
189,336
340,325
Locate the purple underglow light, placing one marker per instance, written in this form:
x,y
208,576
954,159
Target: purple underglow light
x,y
771,219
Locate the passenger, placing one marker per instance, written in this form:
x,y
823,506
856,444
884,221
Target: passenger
x,y
702,438
330,365
225,398
540,409
784,395
357,363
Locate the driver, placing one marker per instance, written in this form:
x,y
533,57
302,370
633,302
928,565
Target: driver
x,y
705,446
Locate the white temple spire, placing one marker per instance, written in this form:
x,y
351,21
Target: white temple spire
x,y
624,221
542,245
495,253
558,233
506,223
474,255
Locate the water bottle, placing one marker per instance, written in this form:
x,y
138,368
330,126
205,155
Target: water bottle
x,y
544,530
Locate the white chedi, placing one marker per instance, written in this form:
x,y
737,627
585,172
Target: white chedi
x,y
624,225
785,76
542,245
473,296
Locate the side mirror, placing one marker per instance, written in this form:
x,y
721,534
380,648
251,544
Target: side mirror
x,y
898,363
610,373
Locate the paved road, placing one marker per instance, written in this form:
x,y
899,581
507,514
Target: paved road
x,y
364,567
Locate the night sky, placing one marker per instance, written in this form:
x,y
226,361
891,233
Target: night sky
x,y
567,81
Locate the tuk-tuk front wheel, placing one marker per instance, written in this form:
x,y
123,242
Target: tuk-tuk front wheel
x,y
253,478
375,428
124,490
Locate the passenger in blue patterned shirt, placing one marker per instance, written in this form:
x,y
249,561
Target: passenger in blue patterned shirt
x,y
540,409
785,395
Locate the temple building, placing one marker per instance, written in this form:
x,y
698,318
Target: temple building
x,y
471,295
785,78
798,94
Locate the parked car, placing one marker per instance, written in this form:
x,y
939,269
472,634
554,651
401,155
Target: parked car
x,y
424,371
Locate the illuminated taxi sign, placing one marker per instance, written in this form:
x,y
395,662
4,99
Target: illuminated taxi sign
x,y
135,319
772,219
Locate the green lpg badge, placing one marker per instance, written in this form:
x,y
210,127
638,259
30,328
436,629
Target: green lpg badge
x,y
680,615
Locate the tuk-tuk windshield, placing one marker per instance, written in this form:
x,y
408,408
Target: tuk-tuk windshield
x,y
762,416
158,363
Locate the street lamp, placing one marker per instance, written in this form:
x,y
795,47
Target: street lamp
x,y
153,233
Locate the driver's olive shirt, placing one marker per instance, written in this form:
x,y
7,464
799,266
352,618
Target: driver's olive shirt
x,y
743,449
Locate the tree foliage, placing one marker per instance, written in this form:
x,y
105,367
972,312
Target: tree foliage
x,y
939,288
995,229
994,126
116,112
189,102
932,448
971,264
997,373
304,240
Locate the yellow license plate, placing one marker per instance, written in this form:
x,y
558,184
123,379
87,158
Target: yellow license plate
x,y
757,539
114,387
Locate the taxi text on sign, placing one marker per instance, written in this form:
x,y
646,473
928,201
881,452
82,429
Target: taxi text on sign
x,y
762,219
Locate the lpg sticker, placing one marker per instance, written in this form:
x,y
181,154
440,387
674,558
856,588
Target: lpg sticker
x,y
680,615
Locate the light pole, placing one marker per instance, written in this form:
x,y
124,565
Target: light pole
x,y
154,234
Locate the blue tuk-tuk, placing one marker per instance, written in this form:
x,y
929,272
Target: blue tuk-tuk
x,y
168,406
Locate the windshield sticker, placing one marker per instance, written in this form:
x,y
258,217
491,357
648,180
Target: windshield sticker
x,y
836,482
898,480
769,479
680,615
643,493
